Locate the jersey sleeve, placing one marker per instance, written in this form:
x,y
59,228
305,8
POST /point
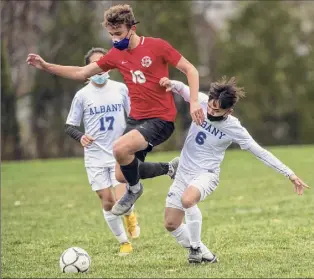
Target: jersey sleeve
x,y
126,99
168,52
239,134
76,112
107,62
269,159
183,90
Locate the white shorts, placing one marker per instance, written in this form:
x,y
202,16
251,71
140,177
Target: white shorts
x,y
206,183
101,178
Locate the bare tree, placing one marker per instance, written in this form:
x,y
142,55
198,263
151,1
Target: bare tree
x,y
23,22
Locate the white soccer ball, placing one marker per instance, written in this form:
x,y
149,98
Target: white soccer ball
x,y
74,260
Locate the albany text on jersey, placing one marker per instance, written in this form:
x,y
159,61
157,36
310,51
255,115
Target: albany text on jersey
x,y
103,111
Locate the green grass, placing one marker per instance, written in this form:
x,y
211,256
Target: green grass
x,y
254,222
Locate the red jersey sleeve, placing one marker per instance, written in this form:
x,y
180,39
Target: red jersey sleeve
x,y
107,62
169,53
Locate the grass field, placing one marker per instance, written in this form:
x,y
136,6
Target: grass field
x,y
254,222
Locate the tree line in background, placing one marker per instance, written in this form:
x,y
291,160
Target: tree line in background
x,y
267,46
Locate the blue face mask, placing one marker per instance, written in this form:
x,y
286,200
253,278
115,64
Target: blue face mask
x,y
122,44
100,79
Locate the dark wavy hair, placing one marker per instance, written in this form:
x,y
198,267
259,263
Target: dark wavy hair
x,y
225,92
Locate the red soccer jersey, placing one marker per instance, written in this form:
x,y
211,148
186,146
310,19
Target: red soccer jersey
x,y
142,68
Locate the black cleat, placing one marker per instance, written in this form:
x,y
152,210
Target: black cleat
x,y
195,255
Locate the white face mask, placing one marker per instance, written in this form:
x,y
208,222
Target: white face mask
x,y
100,79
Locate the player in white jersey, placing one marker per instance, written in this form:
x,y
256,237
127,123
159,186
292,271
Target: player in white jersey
x,y
203,151
103,104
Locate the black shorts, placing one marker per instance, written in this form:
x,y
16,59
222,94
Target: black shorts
x,y
154,130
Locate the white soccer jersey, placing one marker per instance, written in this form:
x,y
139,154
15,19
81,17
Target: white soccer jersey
x,y
205,145
103,111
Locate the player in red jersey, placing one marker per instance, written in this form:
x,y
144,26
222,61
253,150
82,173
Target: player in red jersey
x,y
142,61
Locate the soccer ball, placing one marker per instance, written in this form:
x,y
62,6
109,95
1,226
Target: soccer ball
x,y
74,260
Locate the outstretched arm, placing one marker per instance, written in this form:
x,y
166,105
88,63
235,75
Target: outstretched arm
x,y
242,137
269,159
71,72
180,88
272,161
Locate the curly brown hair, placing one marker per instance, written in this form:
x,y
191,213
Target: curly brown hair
x,y
119,14
226,92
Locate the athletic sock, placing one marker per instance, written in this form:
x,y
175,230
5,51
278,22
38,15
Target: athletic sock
x,y
181,234
131,172
150,169
135,188
193,217
116,226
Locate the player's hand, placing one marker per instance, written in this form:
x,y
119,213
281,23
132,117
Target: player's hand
x,y
166,82
197,113
36,61
86,140
299,185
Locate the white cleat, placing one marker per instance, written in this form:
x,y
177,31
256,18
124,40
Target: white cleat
x,y
207,258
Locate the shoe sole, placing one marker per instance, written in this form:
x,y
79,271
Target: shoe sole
x,y
137,232
214,260
114,212
124,254
119,213
135,236
194,261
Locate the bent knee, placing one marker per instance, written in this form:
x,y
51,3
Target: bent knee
x,y
118,149
187,201
190,197
171,225
107,199
107,205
